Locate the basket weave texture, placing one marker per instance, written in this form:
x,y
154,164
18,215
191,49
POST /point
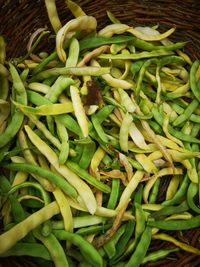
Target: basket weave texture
x,y
20,18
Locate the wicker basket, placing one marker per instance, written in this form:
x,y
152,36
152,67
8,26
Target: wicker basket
x,y
20,18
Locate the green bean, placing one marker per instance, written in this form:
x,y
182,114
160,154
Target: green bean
x,y
113,102
34,45
73,54
140,222
49,81
135,164
24,75
187,113
136,56
4,184
193,82
28,249
195,118
112,17
44,193
154,192
46,61
16,207
78,153
87,250
32,203
121,245
81,142
51,125
172,60
149,46
12,128
109,246
156,127
64,149
143,101
180,194
95,41
138,194
124,132
79,221
51,176
141,249
143,117
126,101
3,71
18,117
69,122
86,176
176,224
191,193
36,99
182,136
93,229
46,228
195,129
61,83
146,64
86,157
99,129
93,71
180,110
157,255
114,194
20,230
103,113
55,249
169,210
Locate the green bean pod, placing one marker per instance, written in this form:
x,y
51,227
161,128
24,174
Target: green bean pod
x,y
87,250
176,224
141,249
52,177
